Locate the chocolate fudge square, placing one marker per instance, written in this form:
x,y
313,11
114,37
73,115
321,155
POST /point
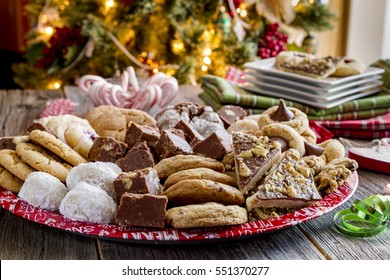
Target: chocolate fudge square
x,y
190,134
141,181
139,157
107,149
136,134
38,126
171,145
142,210
213,147
229,114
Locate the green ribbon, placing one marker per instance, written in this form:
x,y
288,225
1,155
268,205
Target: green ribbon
x,y
364,218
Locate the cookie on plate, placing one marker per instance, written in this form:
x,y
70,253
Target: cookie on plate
x,y
56,146
9,181
37,158
349,67
205,215
290,135
168,166
200,173
10,160
194,191
286,115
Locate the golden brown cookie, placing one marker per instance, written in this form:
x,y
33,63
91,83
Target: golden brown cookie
x,y
10,160
205,215
333,149
245,125
41,160
299,120
112,121
168,166
349,67
309,136
9,181
195,191
334,174
56,146
316,164
199,173
292,137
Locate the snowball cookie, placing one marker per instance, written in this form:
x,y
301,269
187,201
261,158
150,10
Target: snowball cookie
x,y
43,190
88,203
98,174
61,123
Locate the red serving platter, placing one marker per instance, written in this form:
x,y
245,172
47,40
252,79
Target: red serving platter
x,y
13,204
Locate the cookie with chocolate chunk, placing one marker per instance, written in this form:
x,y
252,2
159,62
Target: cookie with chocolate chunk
x,y
195,191
206,215
169,166
200,173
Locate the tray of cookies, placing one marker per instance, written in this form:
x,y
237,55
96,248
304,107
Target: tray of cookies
x,y
187,175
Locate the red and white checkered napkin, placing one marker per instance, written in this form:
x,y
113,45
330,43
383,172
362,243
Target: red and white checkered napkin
x,y
235,75
58,107
378,127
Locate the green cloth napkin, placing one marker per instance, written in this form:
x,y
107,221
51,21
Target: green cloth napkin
x,y
219,92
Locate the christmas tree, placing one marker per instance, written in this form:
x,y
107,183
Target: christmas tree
x,y
183,38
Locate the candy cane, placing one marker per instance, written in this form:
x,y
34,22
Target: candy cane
x,y
156,91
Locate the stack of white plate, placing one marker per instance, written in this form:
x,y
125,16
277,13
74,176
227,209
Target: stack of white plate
x,y
264,78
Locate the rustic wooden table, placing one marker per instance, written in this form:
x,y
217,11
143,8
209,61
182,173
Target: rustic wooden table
x,y
315,239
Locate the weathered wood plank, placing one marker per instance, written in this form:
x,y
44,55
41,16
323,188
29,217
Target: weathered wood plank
x,y
285,244
83,102
23,240
19,108
338,246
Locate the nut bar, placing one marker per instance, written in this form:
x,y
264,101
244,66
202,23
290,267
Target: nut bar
x,y
170,145
253,157
213,147
139,157
290,185
191,135
230,114
107,149
143,210
136,134
140,181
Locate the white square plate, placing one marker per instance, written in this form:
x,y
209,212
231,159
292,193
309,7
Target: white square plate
x,y
267,67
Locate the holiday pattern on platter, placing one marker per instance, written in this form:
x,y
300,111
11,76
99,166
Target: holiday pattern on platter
x,y
12,203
